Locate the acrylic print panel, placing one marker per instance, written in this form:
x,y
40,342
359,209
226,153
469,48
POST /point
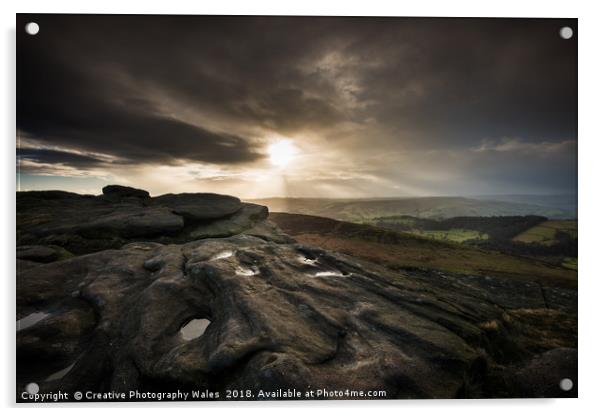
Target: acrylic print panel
x,y
274,208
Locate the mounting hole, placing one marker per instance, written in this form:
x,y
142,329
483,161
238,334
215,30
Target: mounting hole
x,y
32,388
566,32
566,384
32,28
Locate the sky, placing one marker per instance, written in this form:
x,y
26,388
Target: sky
x,y
297,106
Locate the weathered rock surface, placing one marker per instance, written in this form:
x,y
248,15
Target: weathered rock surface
x,y
126,222
283,315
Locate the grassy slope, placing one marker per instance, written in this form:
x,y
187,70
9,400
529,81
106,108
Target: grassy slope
x,y
401,250
545,233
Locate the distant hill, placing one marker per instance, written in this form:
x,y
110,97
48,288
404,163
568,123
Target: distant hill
x,y
361,210
565,202
399,250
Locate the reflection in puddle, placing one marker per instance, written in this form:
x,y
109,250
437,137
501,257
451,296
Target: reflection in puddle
x,y
194,329
329,274
222,255
31,320
243,271
306,260
60,374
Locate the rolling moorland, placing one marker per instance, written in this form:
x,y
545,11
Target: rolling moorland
x,y
124,291
405,250
535,226
361,210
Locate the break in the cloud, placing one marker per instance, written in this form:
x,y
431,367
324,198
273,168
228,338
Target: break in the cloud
x,y
543,148
375,106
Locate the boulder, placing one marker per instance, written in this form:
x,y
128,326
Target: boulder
x,y
200,207
542,375
41,254
118,192
84,223
246,217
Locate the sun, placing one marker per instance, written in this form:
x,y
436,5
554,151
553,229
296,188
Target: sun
x,y
282,153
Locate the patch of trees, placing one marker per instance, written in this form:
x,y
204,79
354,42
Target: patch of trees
x,y
497,228
566,246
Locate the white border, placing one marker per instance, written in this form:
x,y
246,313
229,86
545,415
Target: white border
x,y
590,200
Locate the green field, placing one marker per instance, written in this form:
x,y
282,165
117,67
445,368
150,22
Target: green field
x,y
570,263
457,235
546,233
405,221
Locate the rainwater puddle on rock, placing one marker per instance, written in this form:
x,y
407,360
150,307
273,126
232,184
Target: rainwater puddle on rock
x,y
243,271
194,328
222,255
329,274
31,320
61,373
306,260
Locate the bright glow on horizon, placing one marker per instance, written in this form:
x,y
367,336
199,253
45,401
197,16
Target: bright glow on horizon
x,y
282,153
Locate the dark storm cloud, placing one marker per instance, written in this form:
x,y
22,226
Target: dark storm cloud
x,y
119,85
66,97
460,80
58,156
